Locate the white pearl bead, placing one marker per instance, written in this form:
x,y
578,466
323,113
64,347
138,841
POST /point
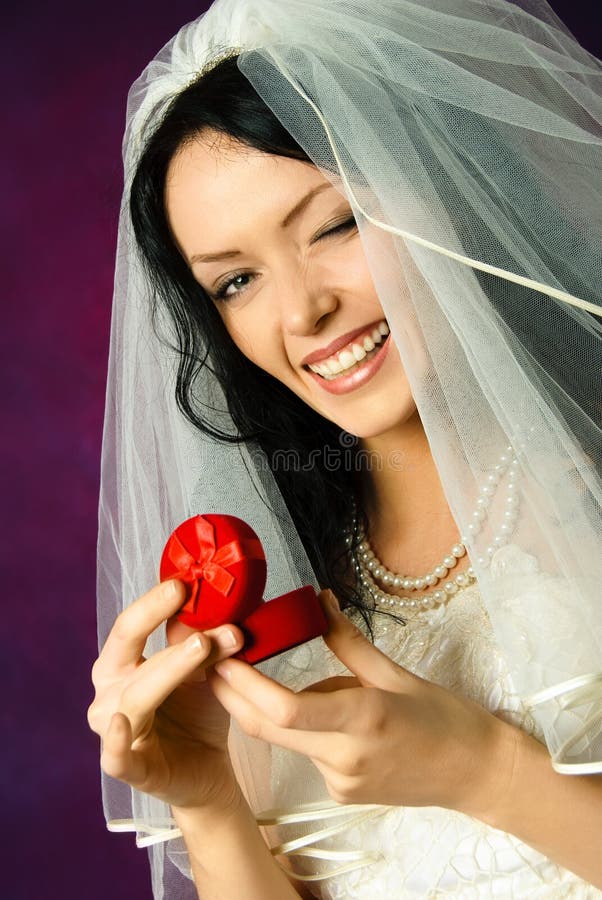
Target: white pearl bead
x,y
365,560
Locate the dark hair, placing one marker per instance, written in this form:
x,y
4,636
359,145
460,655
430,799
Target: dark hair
x,y
266,414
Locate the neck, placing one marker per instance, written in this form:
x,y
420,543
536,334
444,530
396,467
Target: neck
x,y
410,522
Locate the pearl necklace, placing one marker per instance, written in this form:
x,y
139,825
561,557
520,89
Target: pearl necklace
x,y
368,566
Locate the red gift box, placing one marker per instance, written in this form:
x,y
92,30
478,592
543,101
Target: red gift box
x,y
222,561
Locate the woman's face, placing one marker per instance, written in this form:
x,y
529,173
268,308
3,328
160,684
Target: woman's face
x,y
276,247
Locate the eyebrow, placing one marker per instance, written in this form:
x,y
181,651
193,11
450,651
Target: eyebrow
x,y
289,217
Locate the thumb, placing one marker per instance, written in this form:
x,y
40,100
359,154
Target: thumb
x,y
372,667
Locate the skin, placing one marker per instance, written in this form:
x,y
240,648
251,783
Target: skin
x,y
382,734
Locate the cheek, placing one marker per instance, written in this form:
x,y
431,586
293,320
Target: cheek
x,y
353,263
254,342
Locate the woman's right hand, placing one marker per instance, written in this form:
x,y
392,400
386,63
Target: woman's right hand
x,y
162,730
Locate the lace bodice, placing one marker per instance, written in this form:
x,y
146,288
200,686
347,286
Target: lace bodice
x,y
431,852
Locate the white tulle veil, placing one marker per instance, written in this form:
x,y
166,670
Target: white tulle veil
x,y
466,134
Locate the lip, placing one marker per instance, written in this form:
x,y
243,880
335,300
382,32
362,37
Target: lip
x,y
338,344
345,383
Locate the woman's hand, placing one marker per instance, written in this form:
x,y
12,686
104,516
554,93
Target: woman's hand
x,y
162,729
384,736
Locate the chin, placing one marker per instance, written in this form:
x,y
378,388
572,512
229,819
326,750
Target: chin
x,y
374,422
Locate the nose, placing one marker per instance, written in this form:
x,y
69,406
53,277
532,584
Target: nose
x,y
305,303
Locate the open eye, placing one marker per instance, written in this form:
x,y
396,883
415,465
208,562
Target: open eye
x,y
220,292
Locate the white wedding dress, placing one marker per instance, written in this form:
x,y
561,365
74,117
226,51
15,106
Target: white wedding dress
x,y
425,852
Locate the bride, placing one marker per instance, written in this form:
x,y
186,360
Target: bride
x,y
389,322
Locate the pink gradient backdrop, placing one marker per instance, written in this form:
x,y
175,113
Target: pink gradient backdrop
x,y
67,67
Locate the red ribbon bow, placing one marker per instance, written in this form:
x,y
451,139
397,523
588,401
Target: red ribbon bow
x,y
211,563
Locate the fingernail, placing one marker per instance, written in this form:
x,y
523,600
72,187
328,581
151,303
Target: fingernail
x,y
334,603
223,670
170,588
194,644
226,639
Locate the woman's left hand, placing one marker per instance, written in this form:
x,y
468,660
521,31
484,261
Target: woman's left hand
x,y
383,736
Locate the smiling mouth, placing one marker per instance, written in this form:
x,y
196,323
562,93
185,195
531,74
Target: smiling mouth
x,y
351,357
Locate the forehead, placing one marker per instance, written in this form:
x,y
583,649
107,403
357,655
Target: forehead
x,y
215,173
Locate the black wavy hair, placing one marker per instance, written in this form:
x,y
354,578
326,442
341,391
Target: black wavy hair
x,y
320,497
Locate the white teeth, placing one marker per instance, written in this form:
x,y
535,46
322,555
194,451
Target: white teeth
x,y
351,356
333,366
347,359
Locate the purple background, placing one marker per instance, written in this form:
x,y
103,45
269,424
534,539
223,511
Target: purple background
x,y
67,68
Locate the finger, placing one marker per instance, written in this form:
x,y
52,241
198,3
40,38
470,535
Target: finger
x,y
303,711
129,634
224,641
154,683
367,662
257,724
118,759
